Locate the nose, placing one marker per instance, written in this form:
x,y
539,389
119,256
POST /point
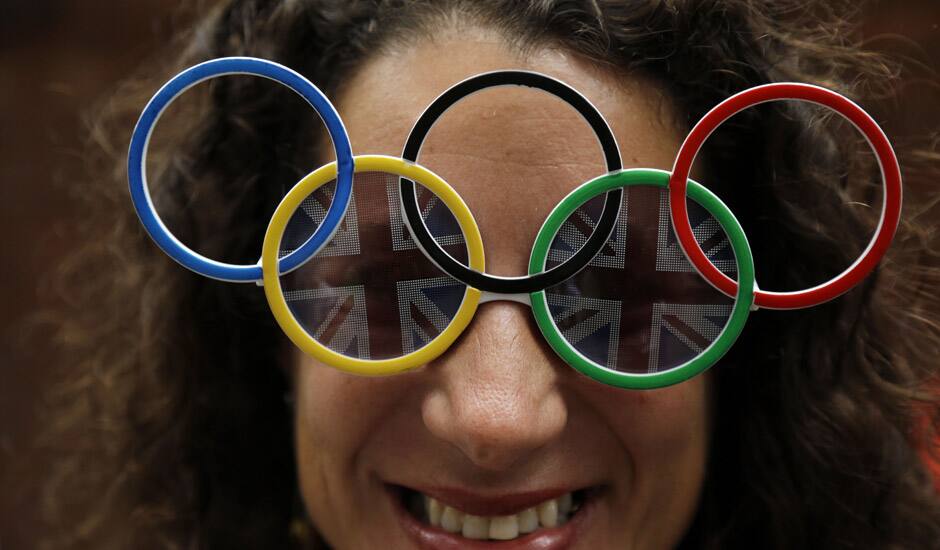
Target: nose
x,y
497,396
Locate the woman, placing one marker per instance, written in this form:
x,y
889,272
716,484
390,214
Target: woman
x,y
802,436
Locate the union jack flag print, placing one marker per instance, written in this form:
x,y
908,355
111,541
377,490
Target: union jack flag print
x,y
371,293
640,306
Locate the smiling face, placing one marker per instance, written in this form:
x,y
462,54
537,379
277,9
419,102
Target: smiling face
x,y
501,437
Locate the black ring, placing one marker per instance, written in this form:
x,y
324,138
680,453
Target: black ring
x,y
527,283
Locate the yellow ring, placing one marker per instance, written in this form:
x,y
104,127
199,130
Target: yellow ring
x,y
272,282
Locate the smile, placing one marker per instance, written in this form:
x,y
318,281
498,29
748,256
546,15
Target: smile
x,y
447,519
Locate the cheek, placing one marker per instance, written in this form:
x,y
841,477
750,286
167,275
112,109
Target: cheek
x,y
341,411
337,418
325,400
670,422
321,465
663,431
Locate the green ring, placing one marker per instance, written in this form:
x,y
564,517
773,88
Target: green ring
x,y
743,300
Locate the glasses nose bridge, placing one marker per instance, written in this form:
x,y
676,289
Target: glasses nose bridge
x,y
523,321
509,324
521,298
506,349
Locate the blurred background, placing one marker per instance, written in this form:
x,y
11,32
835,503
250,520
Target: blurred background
x,y
59,59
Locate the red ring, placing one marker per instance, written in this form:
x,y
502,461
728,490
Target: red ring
x,y
890,210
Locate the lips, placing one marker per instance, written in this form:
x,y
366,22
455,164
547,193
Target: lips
x,y
445,519
471,503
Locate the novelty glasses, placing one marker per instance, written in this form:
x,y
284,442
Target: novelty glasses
x,y
639,278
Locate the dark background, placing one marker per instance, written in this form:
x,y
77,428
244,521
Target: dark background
x,y
60,58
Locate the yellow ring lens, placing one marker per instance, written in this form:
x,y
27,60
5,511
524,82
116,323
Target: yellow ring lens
x,y
295,331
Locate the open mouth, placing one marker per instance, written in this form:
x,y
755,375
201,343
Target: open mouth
x,y
439,524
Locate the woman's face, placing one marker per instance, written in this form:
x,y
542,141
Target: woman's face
x,y
499,431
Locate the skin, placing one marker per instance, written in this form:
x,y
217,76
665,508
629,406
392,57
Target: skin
x,y
499,412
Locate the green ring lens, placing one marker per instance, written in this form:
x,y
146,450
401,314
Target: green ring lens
x,y
744,298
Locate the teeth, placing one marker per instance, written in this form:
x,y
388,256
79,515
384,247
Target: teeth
x,y
451,520
504,527
435,510
528,520
548,514
476,527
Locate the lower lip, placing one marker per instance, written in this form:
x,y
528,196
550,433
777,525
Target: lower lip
x,y
428,537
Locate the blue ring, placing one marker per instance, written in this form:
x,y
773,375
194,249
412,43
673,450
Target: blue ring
x,y
137,158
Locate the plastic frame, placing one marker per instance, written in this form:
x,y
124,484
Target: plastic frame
x,y
890,210
535,281
137,165
272,282
743,298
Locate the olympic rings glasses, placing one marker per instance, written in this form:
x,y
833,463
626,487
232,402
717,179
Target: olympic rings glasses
x,y
639,278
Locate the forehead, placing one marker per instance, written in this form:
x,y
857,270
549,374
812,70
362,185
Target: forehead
x,y
512,153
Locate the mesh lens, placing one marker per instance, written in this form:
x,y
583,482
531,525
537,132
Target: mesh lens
x,y
371,293
639,306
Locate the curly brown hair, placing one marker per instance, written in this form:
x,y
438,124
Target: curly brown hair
x,y
175,384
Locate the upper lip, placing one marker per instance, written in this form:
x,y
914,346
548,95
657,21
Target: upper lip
x,y
490,505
